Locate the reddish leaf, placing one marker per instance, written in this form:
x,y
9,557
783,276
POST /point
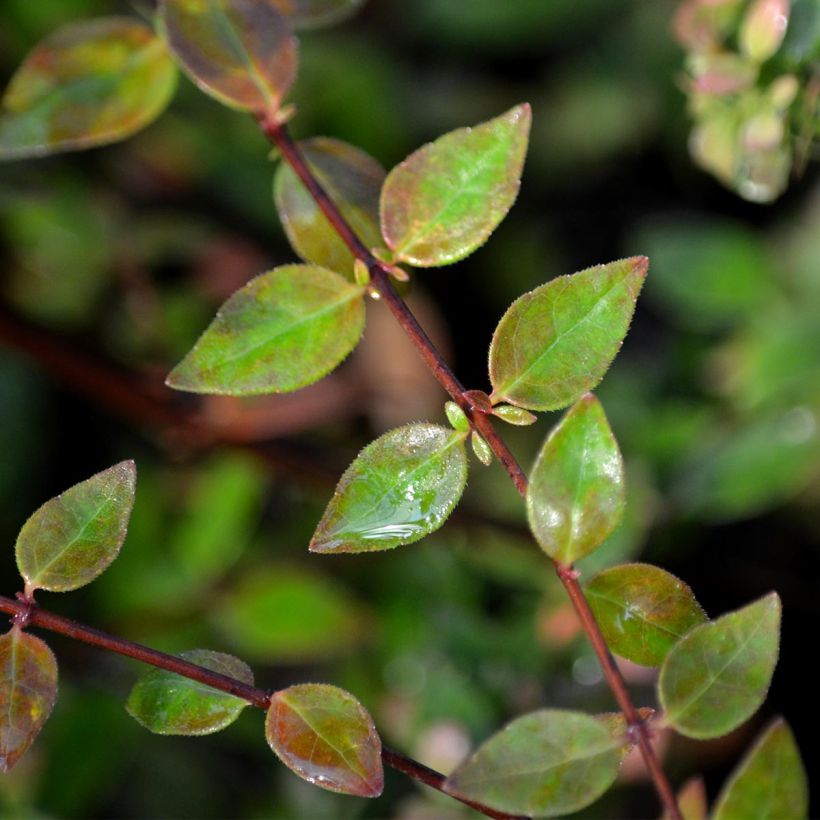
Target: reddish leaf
x,y
325,735
28,689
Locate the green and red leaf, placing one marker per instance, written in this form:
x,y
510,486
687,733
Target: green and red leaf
x,y
324,735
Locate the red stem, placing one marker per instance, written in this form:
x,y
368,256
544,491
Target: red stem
x,y
34,616
278,133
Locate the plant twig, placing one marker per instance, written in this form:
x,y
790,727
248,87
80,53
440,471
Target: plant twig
x,y
35,616
279,135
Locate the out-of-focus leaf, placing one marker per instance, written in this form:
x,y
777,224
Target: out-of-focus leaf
x,y
285,329
707,273
544,764
692,800
400,488
307,14
769,783
287,615
763,28
803,34
642,611
556,342
576,494
242,52
220,514
445,199
169,704
74,537
353,180
718,674
28,689
739,473
326,736
87,84
61,241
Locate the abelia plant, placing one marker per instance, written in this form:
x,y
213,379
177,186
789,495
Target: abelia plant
x,y
356,229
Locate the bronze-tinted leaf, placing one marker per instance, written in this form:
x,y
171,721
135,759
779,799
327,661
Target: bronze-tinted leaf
x,y
242,52
86,84
326,736
28,689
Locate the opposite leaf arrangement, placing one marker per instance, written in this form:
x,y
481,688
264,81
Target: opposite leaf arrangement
x,y
355,227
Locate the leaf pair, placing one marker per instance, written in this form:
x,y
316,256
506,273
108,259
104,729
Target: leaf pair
x,y
320,732
64,545
713,674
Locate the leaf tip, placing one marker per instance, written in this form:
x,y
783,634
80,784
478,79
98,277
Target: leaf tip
x,y
640,265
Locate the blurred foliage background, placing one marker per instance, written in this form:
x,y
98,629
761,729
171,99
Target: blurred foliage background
x,y
114,260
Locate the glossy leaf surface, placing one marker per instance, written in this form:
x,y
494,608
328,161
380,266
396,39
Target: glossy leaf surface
x,y
544,764
242,52
400,488
576,495
557,341
770,783
314,13
327,737
169,704
285,329
643,611
445,199
353,181
717,675
74,537
28,689
86,84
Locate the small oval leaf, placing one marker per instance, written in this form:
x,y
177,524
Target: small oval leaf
x,y
305,14
89,83
544,764
74,537
169,704
445,199
718,674
28,690
327,737
576,494
770,782
353,180
692,801
643,611
557,341
285,329
400,488
242,52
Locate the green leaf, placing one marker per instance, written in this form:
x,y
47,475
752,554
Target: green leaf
x,y
304,14
576,494
457,417
285,329
28,689
643,611
514,415
353,180
544,764
88,83
400,488
74,537
483,451
557,341
326,736
718,674
242,52
445,199
770,783
281,614
169,704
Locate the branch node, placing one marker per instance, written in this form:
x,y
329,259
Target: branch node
x,y
22,618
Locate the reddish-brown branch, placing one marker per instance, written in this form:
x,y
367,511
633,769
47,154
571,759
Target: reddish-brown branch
x,y
35,616
278,133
